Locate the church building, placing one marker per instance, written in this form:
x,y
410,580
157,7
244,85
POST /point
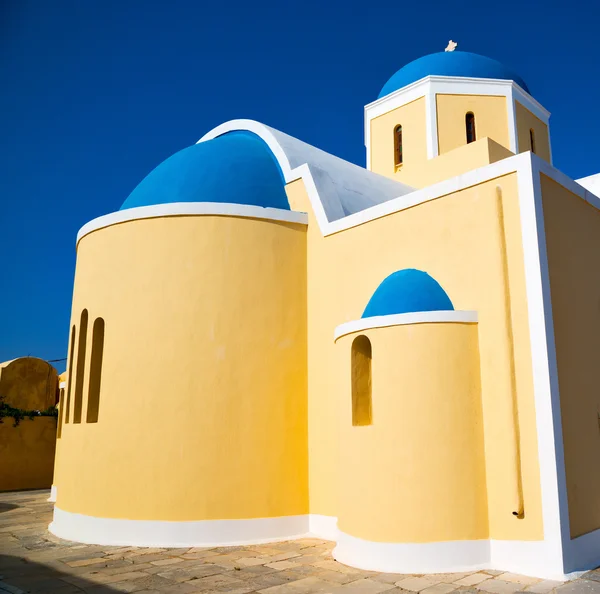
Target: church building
x,y
268,341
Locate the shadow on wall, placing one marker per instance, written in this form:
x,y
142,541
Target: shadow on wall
x,y
20,575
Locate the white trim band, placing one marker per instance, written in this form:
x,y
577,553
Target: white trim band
x,y
53,492
154,533
415,317
175,209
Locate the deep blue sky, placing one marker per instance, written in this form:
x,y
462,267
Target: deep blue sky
x,y
94,94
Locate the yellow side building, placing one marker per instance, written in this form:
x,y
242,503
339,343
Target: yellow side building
x,y
27,448
400,358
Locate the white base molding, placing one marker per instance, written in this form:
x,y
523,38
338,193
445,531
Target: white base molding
x,y
533,558
151,533
52,498
437,557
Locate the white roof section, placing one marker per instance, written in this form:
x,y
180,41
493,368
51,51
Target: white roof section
x,y
341,188
591,183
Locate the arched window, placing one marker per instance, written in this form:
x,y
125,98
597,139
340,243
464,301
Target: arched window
x,y
80,367
95,371
398,146
470,125
361,381
532,139
70,379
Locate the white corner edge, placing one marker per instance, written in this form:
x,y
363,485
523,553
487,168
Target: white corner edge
x,y
545,382
418,317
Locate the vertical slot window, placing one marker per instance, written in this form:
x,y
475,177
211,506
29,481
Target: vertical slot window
x,y
532,140
95,371
470,126
81,348
398,158
361,381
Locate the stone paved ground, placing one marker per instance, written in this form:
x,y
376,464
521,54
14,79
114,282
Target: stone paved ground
x,y
32,560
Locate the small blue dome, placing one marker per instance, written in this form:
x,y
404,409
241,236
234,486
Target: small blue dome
x,y
450,64
237,167
406,291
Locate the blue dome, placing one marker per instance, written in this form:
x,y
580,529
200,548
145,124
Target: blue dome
x,y
406,291
237,167
450,64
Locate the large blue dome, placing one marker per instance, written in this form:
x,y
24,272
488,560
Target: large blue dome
x,y
405,291
237,167
450,64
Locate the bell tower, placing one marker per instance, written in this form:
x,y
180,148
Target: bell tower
x,y
439,105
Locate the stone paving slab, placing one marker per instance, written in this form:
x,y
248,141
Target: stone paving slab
x,y
32,560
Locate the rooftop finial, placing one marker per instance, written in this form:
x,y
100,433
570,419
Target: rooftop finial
x,y
451,46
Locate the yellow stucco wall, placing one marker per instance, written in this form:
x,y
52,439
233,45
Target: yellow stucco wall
x,y
491,119
27,453
414,139
457,240
417,473
526,121
573,246
203,405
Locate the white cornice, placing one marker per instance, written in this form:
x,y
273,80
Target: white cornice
x,y
178,209
459,85
415,317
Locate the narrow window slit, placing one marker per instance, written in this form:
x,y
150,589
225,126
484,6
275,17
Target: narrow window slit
x,y
81,348
95,371
398,146
361,381
470,125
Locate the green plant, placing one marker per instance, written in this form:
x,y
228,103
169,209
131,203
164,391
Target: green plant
x,y
18,414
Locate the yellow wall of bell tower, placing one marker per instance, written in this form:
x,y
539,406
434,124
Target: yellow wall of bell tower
x,y
528,123
412,118
491,120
